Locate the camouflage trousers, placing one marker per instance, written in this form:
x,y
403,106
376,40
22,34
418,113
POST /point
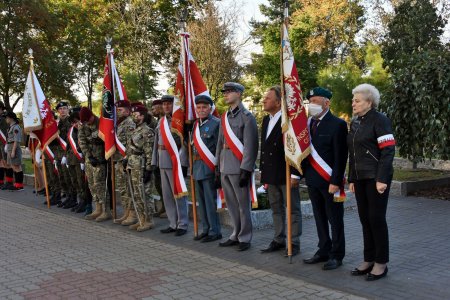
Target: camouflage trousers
x,y
52,177
77,180
64,175
122,186
96,177
144,204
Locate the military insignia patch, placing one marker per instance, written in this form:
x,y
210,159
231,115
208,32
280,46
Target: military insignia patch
x,y
206,129
16,131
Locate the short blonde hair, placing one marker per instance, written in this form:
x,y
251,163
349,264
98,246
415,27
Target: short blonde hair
x,y
370,93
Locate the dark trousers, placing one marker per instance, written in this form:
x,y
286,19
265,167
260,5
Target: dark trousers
x,y
327,211
372,214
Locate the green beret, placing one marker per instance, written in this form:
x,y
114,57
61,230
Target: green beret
x,y
319,91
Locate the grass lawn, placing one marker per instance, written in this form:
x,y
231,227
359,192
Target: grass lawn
x,y
418,174
28,166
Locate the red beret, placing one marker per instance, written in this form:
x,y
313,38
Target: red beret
x,y
85,114
123,103
156,102
137,103
140,108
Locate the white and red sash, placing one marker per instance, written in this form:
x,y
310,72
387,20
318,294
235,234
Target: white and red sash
x,y
120,146
73,145
62,143
325,171
179,186
208,158
2,137
237,148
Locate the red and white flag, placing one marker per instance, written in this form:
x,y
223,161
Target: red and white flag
x,y
293,119
37,113
117,82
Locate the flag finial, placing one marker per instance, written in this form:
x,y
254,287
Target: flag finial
x,y
108,44
30,57
286,9
182,20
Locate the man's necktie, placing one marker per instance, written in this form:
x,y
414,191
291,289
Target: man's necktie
x,y
314,124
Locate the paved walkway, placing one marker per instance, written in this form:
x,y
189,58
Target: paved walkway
x,y
54,252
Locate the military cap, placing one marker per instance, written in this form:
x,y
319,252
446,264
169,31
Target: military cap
x,y
12,115
62,104
203,99
139,108
123,103
85,114
319,91
156,102
234,86
75,115
167,98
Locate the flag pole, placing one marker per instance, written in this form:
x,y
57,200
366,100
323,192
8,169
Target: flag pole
x,y
288,170
30,51
33,159
111,162
194,200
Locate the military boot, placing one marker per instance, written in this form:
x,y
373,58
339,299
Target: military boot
x,y
135,226
72,202
98,211
123,218
88,209
106,214
131,219
55,200
147,224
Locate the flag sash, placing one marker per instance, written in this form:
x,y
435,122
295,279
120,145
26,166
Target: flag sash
x,y
62,143
179,185
73,145
237,148
208,158
120,146
2,137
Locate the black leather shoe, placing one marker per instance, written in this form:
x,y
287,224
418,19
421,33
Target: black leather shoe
x,y
201,236
168,230
332,264
228,243
295,251
243,246
211,238
358,272
180,232
373,277
274,246
315,259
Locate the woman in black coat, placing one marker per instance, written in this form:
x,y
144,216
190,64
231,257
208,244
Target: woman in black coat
x,y
371,147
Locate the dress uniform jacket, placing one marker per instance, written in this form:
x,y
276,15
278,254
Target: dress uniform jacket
x,y
209,132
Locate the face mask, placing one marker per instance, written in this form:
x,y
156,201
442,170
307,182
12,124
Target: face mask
x,y
314,109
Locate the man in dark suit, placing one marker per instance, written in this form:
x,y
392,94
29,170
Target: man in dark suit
x,y
273,173
328,137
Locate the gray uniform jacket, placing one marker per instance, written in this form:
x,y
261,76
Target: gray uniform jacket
x,y
209,132
243,124
160,157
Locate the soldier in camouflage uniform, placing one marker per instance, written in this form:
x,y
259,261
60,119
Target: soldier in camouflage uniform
x,y
125,126
14,153
64,175
138,166
5,174
52,173
93,150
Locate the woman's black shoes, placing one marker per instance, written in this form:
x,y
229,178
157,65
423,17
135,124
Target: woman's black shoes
x,y
358,272
373,277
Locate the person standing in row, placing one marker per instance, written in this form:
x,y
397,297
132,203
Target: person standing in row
x,y
5,173
328,152
371,146
93,149
176,209
13,151
237,149
204,144
273,173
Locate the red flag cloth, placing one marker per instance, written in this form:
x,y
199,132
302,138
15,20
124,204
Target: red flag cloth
x,y
106,125
37,113
294,119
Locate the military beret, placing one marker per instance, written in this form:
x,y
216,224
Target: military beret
x,y
75,115
123,103
12,115
136,104
75,109
85,114
156,102
62,104
319,91
203,99
139,108
167,98
233,86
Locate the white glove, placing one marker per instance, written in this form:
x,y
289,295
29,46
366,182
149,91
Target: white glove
x,y
64,160
82,167
261,190
38,157
6,148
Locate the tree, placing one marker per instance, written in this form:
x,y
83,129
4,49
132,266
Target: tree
x,y
419,66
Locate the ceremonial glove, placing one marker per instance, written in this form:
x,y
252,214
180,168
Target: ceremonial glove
x,y
244,178
124,164
184,170
217,182
6,148
64,160
37,157
147,176
82,167
94,162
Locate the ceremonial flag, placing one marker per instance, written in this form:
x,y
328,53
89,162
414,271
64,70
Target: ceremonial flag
x,y
188,85
37,113
294,119
106,126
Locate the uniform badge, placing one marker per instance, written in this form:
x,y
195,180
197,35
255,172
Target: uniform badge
x,y
206,129
16,131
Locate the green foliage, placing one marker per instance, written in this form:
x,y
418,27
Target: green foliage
x,y
418,102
